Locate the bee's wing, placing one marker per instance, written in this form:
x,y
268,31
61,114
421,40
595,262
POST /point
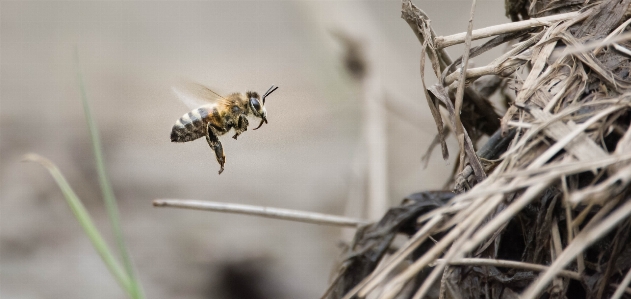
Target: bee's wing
x,y
195,95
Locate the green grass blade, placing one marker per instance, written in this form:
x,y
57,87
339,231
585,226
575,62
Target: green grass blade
x,y
106,187
85,221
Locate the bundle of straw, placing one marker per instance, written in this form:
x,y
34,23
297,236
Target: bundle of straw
x,y
543,209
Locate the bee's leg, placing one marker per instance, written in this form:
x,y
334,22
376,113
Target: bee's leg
x,y
242,126
215,144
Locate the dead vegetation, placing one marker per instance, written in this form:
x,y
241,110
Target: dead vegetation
x,y
543,209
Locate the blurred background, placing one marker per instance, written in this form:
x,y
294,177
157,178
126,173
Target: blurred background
x,y
309,157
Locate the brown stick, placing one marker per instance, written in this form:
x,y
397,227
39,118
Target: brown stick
x,y
458,38
293,215
509,264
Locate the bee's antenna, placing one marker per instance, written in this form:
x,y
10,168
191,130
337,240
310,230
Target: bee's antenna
x,y
268,92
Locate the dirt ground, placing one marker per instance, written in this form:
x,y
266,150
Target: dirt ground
x,y
131,53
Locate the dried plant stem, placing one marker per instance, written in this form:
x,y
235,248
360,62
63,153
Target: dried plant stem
x,y
468,227
585,238
504,216
366,285
458,38
467,144
622,49
601,191
286,214
459,97
550,152
612,39
504,65
623,286
417,20
444,243
626,290
612,34
411,15
507,264
377,146
564,131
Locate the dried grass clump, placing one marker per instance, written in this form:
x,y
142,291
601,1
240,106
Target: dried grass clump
x,y
543,209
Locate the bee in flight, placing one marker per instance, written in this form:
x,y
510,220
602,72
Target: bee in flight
x,y
214,115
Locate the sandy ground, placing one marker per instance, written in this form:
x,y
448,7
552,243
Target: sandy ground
x,y
130,53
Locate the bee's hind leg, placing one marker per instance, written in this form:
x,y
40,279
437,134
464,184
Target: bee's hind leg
x,y
214,143
242,126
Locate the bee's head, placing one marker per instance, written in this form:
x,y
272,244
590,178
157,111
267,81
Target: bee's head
x,y
257,104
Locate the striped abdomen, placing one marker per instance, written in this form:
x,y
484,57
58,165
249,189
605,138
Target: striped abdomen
x,y
192,125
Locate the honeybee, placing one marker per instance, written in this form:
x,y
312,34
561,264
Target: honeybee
x,y
214,115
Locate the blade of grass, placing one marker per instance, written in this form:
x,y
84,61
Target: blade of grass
x,y
85,221
106,187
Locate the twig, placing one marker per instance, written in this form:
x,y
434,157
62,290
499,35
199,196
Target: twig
x,y
597,45
458,38
441,94
374,130
622,49
460,134
417,20
374,122
519,124
412,14
626,290
286,214
508,264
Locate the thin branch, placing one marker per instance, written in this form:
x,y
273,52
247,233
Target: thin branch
x,y
376,142
418,20
286,214
412,15
460,134
597,45
458,38
622,49
508,264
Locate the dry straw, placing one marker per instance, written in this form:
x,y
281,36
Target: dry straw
x,y
542,209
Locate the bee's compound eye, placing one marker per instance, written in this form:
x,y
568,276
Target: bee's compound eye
x,y
255,104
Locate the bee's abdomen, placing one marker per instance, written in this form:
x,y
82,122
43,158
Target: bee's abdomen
x,y
190,126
